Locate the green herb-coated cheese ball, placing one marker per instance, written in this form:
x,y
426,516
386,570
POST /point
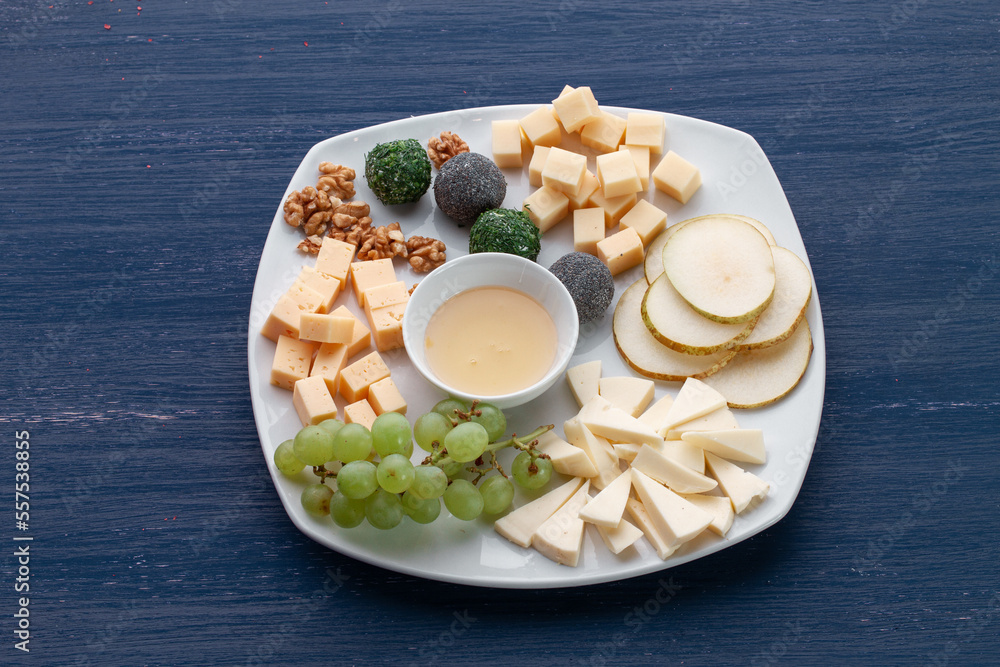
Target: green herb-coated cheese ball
x,y
398,172
467,185
505,230
589,282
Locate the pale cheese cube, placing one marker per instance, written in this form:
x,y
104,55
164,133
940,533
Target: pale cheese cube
x,y
385,396
647,220
614,208
520,524
312,400
676,519
371,273
546,207
326,328
507,143
560,537
617,174
387,294
361,338
387,326
330,360
356,378
621,251
536,164
283,320
694,400
620,537
292,360
541,127
584,380
679,478
608,506
328,286
334,259
645,129
360,412
582,198
564,171
576,108
566,459
640,156
719,507
566,89
629,393
676,177
604,134
744,444
588,229
741,486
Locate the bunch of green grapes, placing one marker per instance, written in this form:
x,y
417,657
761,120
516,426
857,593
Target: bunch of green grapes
x,y
376,481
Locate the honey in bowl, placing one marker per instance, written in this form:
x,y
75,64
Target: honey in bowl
x,y
490,341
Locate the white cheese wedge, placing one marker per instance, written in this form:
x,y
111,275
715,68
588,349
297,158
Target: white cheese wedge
x,y
584,380
519,525
615,424
678,477
606,508
655,414
638,512
631,394
566,458
676,519
626,451
694,400
714,421
620,537
685,453
719,507
741,444
560,537
741,486
598,450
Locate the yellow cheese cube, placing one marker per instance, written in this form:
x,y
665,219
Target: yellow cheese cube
x,y
566,89
564,171
284,318
387,326
604,134
541,127
588,229
645,129
582,198
640,155
327,285
361,338
576,108
334,259
621,251
292,360
384,396
312,400
617,174
676,177
546,207
330,360
360,412
614,208
388,294
371,273
357,377
507,143
536,164
326,328
646,219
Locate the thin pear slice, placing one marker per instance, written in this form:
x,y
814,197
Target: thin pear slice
x,y
722,267
653,266
648,356
760,227
673,322
792,292
758,377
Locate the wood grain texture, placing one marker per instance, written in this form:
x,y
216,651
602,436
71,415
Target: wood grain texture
x,y
140,167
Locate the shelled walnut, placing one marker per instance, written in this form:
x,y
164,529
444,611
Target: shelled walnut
x,y
425,253
443,148
337,180
382,242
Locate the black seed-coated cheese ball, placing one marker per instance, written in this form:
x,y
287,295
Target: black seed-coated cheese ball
x,y
467,185
589,282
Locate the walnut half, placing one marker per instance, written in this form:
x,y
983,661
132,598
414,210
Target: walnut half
x,y
442,149
425,253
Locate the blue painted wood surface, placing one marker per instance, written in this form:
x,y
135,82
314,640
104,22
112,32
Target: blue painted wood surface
x,y
142,155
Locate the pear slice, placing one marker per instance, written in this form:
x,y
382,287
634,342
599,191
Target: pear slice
x,y
722,267
758,377
673,322
648,356
758,225
792,292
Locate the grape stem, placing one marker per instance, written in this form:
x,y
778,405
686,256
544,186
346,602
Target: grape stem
x,y
527,443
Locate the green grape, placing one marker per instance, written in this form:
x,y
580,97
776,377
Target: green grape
x,y
497,492
357,480
331,425
448,406
463,500
346,512
429,428
525,477
316,499
466,442
313,446
383,510
391,434
395,473
492,419
421,510
451,468
353,442
428,482
285,459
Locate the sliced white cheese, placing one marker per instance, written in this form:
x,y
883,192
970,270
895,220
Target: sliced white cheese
x,y
629,393
597,449
519,525
583,380
655,414
685,453
606,508
615,424
714,421
719,507
642,519
620,537
741,486
566,458
560,537
741,444
676,519
694,400
678,477
626,451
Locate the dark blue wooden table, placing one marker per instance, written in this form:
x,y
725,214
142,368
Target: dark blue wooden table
x,y
143,151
